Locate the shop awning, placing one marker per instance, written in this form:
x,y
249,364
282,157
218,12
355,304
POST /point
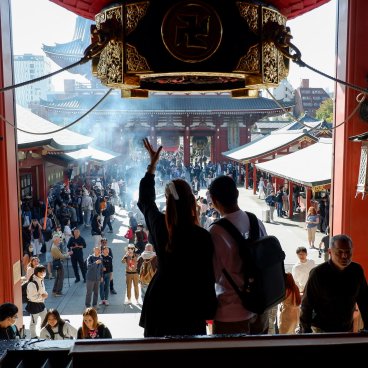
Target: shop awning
x,y
310,166
91,153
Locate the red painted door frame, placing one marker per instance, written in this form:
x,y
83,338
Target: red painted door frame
x,y
10,251
350,214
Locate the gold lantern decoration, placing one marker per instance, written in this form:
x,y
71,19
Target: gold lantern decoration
x,y
160,45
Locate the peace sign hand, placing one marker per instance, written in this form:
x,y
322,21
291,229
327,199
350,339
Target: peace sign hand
x,y
154,155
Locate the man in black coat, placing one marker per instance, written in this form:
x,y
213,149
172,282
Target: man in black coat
x,y
76,244
333,290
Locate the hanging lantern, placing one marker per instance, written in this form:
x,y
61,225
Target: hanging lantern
x,y
165,45
199,143
362,185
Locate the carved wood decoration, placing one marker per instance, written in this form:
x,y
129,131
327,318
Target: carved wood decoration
x,y
190,45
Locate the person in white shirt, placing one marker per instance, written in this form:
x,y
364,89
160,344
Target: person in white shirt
x,y
301,269
231,316
36,295
67,232
261,188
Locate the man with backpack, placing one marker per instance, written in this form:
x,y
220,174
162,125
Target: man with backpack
x,y
107,212
231,316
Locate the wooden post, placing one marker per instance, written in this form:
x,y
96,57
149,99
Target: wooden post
x,y
254,179
291,210
246,181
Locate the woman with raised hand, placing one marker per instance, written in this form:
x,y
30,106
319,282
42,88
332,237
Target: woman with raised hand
x,y
91,327
181,296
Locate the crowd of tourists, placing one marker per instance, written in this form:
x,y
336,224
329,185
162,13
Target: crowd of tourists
x,y
161,239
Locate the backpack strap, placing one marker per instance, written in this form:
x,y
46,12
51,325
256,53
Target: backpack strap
x,y
235,233
231,229
31,279
60,330
50,331
254,226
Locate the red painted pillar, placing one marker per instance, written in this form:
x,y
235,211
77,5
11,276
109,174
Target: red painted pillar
x,y
10,270
254,179
42,189
246,181
276,184
350,214
212,152
187,146
291,187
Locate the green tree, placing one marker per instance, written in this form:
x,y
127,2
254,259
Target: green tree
x,y
325,111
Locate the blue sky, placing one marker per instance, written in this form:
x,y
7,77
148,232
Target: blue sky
x,y
314,35
40,22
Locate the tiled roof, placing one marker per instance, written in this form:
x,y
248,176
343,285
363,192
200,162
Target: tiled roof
x,y
265,146
170,104
72,48
64,54
305,120
271,124
66,140
290,167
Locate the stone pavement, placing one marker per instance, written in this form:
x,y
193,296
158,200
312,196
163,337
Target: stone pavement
x,y
123,319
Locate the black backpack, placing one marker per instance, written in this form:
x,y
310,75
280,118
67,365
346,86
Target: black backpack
x,y
263,267
111,209
24,289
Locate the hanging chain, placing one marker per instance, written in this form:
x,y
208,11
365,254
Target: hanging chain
x,y
281,37
93,50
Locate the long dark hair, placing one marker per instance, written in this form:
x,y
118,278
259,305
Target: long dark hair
x,y
181,214
56,314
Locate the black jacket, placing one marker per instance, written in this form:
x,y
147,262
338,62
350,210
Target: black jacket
x,y
183,276
330,296
9,333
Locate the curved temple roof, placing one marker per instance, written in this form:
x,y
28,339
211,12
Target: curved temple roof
x,y
66,140
310,166
273,142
